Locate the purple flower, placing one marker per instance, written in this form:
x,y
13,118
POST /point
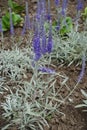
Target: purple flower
x,y
47,70
27,17
82,70
50,41
1,30
49,45
49,11
43,47
38,13
58,25
37,47
43,7
48,17
41,25
41,10
57,2
11,23
64,5
79,5
27,21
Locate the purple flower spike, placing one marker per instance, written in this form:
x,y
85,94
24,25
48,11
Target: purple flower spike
x,y
27,17
64,5
43,6
49,11
11,23
38,13
58,25
44,49
47,70
27,21
37,48
79,5
1,30
48,17
57,2
83,69
50,41
49,46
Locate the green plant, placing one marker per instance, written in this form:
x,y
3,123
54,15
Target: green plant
x,y
65,26
70,50
6,20
84,17
84,104
84,14
2,87
15,63
32,102
16,17
15,7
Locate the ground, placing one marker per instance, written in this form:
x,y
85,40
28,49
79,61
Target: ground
x,y
74,118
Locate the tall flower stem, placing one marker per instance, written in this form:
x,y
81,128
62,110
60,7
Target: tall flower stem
x,y
49,11
79,7
77,20
83,68
2,39
11,28
35,75
1,31
64,6
27,21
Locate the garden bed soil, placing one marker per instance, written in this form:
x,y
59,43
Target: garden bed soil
x,y
74,119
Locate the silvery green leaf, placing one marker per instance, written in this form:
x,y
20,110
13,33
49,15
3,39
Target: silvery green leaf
x,y
80,105
44,122
84,110
6,127
85,101
40,126
84,93
64,81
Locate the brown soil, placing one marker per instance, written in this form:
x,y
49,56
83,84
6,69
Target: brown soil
x,y
74,119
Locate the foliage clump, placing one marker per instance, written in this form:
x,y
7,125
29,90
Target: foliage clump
x,y
32,100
